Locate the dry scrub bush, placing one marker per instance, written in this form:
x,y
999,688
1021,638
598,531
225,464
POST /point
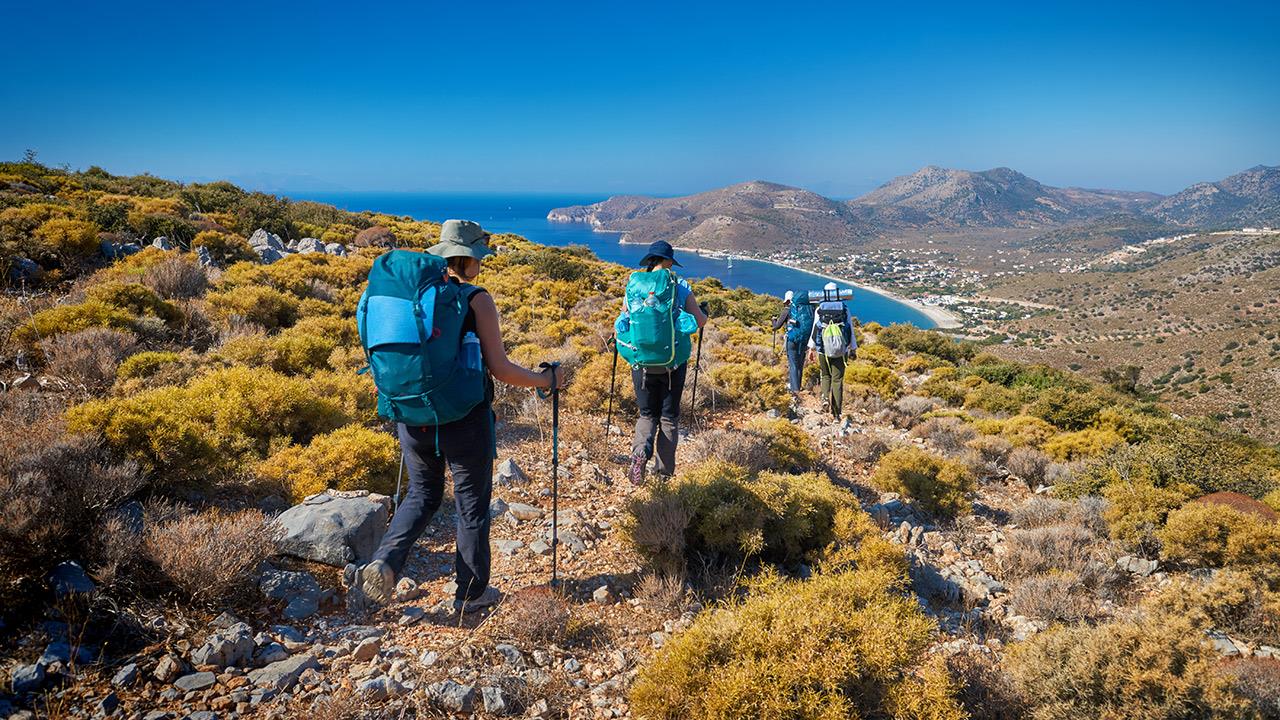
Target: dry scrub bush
x,y
225,248
1082,444
1026,431
751,386
1056,597
349,458
1138,510
866,447
840,645
1052,548
211,557
53,489
62,319
940,486
1243,603
177,277
1214,535
1154,668
876,354
1028,465
985,689
535,616
89,357
724,511
744,448
911,407
991,449
1257,679
947,434
220,423
661,591
1241,503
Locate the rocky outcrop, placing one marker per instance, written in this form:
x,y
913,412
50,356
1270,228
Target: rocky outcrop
x,y
334,528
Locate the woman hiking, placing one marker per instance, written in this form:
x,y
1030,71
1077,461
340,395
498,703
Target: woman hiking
x,y
465,445
656,345
832,341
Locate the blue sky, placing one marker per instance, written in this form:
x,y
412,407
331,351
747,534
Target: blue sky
x,y
655,97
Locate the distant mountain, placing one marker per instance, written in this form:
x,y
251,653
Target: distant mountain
x,y
749,216
994,198
1248,198
763,216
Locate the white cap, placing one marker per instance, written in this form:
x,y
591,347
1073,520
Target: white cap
x,y
829,286
786,297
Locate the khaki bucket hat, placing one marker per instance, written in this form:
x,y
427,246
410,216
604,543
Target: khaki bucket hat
x,y
461,238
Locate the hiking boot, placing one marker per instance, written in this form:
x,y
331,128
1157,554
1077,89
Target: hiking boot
x,y
636,473
377,581
488,598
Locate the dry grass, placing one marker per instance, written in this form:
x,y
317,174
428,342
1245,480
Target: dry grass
x,y
176,278
657,528
89,357
1027,464
866,448
535,616
1047,549
1258,679
986,691
662,592
741,447
210,557
1057,597
947,434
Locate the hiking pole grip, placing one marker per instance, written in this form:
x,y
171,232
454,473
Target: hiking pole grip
x,y
554,367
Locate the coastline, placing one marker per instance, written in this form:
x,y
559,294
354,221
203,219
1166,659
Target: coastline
x,y
942,318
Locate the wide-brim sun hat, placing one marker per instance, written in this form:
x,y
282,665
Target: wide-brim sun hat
x,y
786,297
660,249
462,238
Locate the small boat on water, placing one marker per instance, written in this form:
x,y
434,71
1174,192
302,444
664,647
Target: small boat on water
x,y
729,266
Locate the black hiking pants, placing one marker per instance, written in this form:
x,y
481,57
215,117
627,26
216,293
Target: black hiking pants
x,y
658,395
466,445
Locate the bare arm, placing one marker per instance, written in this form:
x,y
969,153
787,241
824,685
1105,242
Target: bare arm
x,y
691,307
495,355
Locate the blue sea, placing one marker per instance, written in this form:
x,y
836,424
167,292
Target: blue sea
x,y
526,215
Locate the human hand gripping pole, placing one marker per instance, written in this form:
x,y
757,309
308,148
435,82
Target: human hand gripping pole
x,y
554,392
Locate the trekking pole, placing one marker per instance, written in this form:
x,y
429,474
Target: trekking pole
x,y
399,477
554,367
693,403
613,378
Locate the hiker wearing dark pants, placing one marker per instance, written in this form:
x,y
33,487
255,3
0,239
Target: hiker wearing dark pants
x,y
658,390
658,427
468,446
465,446
795,348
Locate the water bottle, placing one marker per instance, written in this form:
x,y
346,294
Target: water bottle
x,y
471,351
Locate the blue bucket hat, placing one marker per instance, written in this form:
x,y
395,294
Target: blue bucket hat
x,y
660,249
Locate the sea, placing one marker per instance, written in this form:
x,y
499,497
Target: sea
x,y
526,214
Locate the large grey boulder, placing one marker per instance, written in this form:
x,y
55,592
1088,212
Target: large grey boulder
x,y
263,239
299,589
162,243
204,257
310,245
281,676
232,647
334,528
337,249
269,255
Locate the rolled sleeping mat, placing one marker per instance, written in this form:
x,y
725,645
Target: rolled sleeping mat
x,y
821,296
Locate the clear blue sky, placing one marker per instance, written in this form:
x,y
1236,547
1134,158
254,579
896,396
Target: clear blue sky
x,y
649,97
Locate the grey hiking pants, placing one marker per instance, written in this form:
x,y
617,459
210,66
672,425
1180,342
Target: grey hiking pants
x,y
466,445
658,395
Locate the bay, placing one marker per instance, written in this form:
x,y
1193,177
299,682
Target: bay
x,y
526,214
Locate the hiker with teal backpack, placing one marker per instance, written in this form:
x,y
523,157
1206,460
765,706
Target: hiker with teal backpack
x,y
832,341
659,315
797,318
434,346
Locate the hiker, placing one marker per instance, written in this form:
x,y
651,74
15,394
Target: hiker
x,y
795,350
466,445
659,314
832,341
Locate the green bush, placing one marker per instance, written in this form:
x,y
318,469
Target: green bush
x,y
730,513
68,319
1215,535
1138,508
940,486
224,248
264,306
752,385
135,298
902,337
1067,409
790,448
1154,668
884,381
146,364
1082,444
942,384
349,458
219,424
993,398
68,239
842,645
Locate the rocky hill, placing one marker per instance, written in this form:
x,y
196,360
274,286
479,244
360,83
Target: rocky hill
x,y
1250,198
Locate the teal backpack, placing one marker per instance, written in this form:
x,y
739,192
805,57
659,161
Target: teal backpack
x,y
652,331
801,324
410,322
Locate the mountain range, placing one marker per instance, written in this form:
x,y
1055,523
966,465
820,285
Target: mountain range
x,y
761,215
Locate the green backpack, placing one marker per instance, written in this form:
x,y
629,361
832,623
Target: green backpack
x,y
410,322
652,332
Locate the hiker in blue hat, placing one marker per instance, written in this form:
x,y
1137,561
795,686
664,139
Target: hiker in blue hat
x,y
659,314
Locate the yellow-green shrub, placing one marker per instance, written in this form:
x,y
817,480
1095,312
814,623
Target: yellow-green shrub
x,y
354,393
1244,603
68,319
224,248
942,384
146,364
1066,408
876,354
1138,509
68,238
1026,430
752,386
1272,499
915,364
1215,535
993,398
349,458
1082,444
264,306
841,645
135,298
727,512
790,448
885,381
1154,668
212,427
940,486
